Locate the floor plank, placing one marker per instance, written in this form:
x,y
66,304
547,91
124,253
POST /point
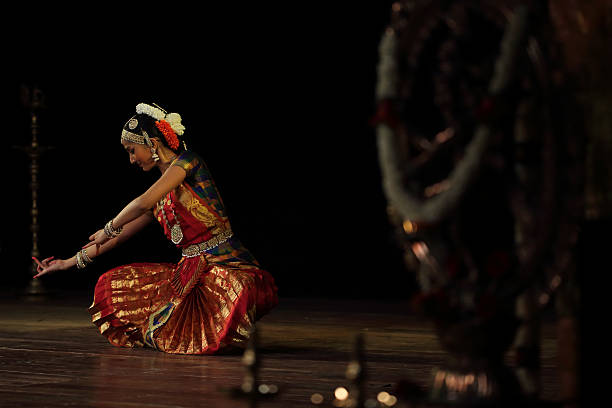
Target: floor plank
x,y
52,356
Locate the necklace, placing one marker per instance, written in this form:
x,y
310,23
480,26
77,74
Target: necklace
x,y
176,234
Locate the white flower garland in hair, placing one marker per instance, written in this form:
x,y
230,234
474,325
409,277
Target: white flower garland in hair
x,y
173,119
152,111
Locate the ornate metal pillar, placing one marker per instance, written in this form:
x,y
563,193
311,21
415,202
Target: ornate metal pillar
x,y
33,99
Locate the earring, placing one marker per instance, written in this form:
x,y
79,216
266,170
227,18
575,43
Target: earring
x,y
154,155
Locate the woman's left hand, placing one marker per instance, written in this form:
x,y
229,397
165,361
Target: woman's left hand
x,y
97,239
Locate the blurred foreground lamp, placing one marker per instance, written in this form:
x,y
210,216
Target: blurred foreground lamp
x,y
251,389
354,394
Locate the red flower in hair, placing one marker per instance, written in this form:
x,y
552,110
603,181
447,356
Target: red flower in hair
x,y
168,133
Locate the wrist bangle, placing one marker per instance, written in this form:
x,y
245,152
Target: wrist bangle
x,y
110,231
85,256
79,260
82,259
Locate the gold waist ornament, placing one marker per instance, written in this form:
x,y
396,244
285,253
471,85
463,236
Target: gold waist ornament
x,y
197,249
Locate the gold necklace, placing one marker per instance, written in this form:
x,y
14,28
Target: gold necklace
x,y
176,233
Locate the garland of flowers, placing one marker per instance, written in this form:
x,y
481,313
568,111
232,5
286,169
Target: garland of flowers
x,y
168,133
434,209
409,208
169,124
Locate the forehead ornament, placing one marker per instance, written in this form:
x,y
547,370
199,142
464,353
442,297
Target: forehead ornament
x,y
143,139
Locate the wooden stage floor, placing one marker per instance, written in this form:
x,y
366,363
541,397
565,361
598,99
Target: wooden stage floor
x,y
52,356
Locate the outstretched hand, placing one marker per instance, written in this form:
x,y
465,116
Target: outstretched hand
x,y
49,265
97,239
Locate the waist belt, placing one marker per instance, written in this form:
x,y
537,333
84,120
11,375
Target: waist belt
x,y
197,249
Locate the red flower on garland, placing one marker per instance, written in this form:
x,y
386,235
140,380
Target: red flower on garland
x,y
168,133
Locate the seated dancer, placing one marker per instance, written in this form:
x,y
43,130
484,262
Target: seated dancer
x,y
207,302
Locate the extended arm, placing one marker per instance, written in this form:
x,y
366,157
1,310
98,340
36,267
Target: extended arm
x,y
172,178
131,228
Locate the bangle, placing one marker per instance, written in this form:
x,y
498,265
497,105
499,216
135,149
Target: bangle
x,y
79,260
85,256
82,259
110,231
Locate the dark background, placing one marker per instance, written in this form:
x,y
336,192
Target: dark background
x,y
276,100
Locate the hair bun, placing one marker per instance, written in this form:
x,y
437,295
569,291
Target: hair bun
x,y
174,119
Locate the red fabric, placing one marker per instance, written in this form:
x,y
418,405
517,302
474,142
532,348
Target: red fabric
x,y
196,325
202,304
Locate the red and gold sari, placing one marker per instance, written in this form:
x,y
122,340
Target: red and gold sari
x,y
208,301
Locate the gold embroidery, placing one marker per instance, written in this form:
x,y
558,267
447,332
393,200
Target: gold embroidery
x,y
231,290
176,281
157,320
207,302
243,331
125,299
197,249
251,313
198,210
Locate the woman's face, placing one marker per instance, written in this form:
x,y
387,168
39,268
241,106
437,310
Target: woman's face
x,y
139,154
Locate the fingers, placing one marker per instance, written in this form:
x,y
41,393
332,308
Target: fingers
x,y
43,267
44,263
89,244
40,272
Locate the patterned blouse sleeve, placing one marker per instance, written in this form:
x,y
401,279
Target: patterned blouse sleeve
x,y
188,162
